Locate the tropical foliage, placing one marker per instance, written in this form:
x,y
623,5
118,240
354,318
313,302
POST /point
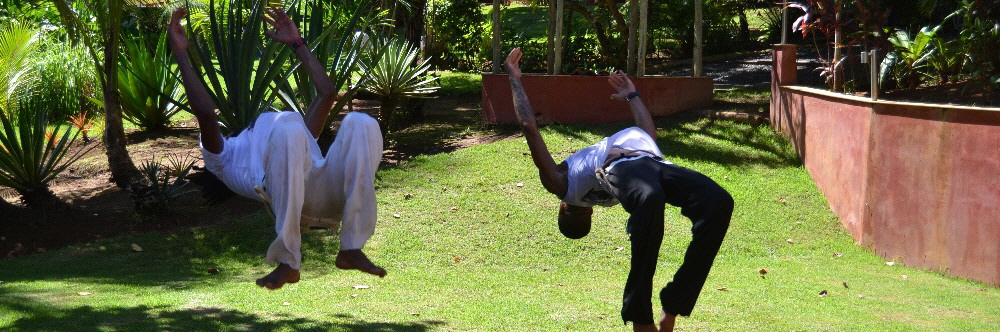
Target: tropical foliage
x,y
394,75
33,151
150,90
17,42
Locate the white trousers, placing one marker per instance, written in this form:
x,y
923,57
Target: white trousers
x,y
303,186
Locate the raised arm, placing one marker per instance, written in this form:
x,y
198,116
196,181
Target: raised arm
x,y
283,30
552,178
201,104
625,91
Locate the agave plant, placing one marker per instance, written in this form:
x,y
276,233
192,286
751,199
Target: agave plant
x,y
334,30
168,183
395,74
242,69
32,154
151,94
17,41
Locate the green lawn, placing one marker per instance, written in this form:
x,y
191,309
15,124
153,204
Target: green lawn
x,y
472,250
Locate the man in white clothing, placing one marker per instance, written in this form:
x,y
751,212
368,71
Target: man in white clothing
x,y
277,161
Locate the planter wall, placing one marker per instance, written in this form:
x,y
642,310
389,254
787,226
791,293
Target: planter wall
x,y
919,183
586,99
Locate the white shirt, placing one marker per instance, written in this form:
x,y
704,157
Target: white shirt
x,y
583,187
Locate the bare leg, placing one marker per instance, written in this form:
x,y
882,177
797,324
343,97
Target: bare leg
x,y
667,321
279,277
356,260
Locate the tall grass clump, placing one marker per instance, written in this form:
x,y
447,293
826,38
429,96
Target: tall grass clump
x,y
66,79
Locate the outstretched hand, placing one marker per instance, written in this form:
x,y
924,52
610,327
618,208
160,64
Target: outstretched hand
x,y
175,33
622,84
512,65
283,30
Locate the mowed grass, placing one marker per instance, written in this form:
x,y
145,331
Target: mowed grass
x,y
472,250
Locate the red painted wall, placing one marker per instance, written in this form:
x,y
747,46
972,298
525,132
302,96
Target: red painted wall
x,y
915,182
586,99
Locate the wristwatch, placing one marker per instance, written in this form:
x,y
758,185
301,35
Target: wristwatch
x,y
295,45
629,97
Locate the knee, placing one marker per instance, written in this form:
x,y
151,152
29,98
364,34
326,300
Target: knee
x,y
286,129
359,120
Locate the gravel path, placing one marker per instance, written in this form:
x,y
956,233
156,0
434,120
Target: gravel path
x,y
752,70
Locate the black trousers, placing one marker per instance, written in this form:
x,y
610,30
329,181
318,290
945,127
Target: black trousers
x,y
643,187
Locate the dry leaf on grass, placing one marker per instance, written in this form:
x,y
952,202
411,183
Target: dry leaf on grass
x,y
396,215
619,248
84,293
136,247
362,287
721,288
354,295
519,184
414,314
837,254
286,303
823,293
782,200
454,208
845,285
890,263
789,241
905,277
213,271
457,259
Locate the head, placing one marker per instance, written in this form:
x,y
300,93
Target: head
x,y
574,220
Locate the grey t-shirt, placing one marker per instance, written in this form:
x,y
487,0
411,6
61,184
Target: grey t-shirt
x,y
583,188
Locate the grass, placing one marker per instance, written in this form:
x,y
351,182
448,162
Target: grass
x,y
471,250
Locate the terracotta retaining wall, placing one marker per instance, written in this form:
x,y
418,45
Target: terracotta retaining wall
x,y
918,183
586,99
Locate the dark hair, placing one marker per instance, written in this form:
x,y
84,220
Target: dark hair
x,y
213,190
573,225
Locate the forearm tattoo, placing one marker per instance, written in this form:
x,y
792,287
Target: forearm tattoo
x,y
522,108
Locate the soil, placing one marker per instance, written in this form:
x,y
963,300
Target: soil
x,y
94,208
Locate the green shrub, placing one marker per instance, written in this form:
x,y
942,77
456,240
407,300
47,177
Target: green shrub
x,y
455,30
66,78
149,87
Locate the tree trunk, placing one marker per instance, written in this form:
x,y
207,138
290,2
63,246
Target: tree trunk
x,y
41,198
413,23
385,112
744,35
123,171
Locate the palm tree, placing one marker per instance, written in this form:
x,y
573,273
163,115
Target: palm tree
x,y
17,41
108,17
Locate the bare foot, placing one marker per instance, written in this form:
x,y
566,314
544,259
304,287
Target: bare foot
x,y
643,327
279,277
667,321
356,260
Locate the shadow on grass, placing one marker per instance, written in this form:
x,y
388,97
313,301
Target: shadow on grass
x,y
161,318
171,258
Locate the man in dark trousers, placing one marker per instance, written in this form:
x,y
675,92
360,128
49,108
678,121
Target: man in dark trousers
x,y
628,167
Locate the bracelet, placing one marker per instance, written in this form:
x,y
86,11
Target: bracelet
x,y
631,96
295,45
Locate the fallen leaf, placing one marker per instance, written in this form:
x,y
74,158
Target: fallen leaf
x,y
890,263
457,259
213,271
845,285
721,288
823,293
286,303
763,271
407,196
619,248
861,295
560,285
362,287
136,247
396,215
84,293
982,289
789,241
782,200
519,184
725,177
454,208
354,295
905,277
414,314
837,254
